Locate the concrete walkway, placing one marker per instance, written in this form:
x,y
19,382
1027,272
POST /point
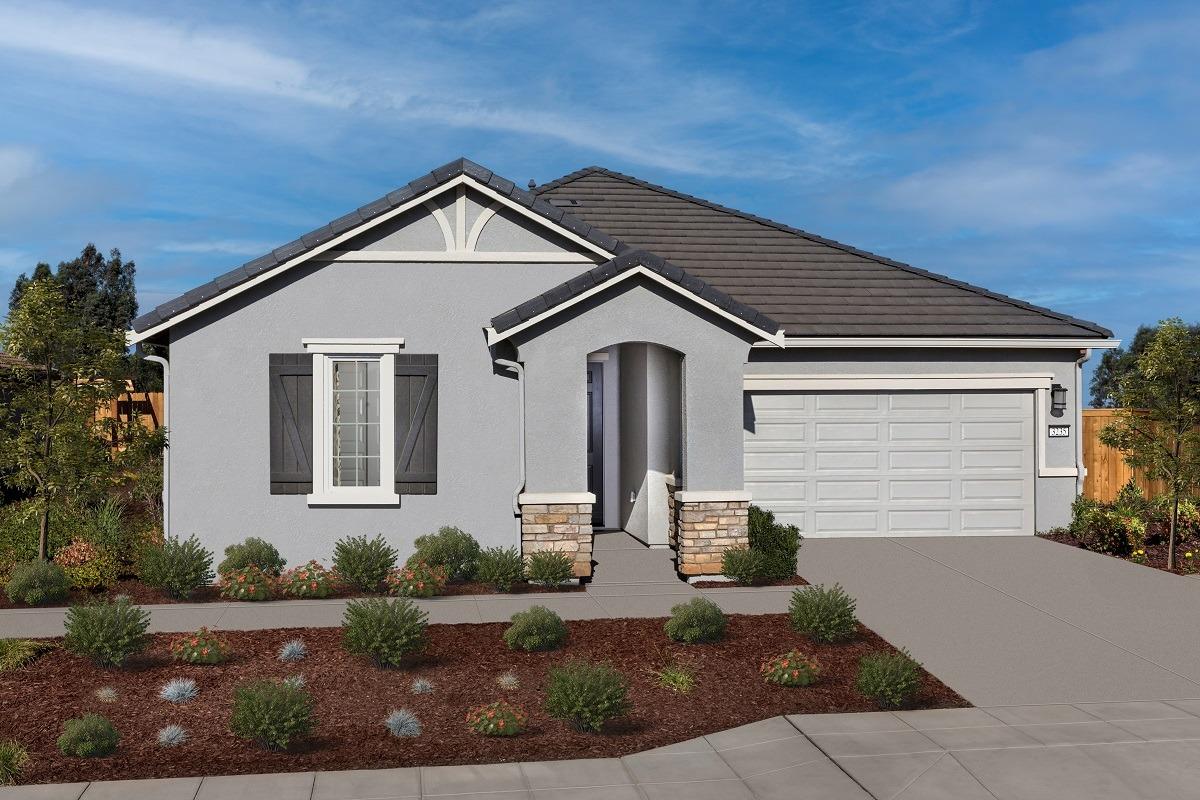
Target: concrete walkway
x,y
1010,620
1108,751
631,580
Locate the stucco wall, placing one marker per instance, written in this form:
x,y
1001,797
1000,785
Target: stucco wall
x,y
1052,495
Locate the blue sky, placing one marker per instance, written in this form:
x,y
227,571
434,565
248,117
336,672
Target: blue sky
x,y
1043,150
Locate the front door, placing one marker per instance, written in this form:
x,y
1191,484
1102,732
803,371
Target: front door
x,y
595,439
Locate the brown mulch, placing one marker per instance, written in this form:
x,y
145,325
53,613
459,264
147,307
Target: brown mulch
x,y
142,594
795,580
353,698
1156,552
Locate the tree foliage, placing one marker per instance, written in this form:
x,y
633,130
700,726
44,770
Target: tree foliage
x,y
1158,428
1117,363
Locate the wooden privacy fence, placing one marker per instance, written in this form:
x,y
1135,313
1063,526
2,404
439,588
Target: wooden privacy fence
x,y
147,405
1107,471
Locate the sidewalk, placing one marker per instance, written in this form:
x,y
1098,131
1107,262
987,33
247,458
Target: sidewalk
x,y
1104,751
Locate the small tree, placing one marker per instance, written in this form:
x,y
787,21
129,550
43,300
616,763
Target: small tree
x,y
51,442
1158,427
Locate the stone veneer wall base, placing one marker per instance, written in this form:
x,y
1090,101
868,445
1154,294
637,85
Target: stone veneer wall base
x,y
704,530
564,527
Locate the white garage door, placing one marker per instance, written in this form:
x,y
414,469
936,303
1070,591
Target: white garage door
x,y
893,463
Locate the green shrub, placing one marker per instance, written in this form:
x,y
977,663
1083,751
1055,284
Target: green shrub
x,y
416,579
16,653
497,719
271,713
363,563
88,736
744,565
697,620
13,758
310,580
452,549
501,567
107,632
549,568
538,628
1110,532
677,676
386,631
253,551
37,582
823,615
201,647
247,583
791,669
778,543
586,695
890,679
177,567
87,566
19,532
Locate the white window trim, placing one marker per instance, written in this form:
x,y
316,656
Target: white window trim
x,y
325,352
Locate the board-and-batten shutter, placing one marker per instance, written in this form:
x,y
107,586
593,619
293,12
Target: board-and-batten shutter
x,y
416,423
291,423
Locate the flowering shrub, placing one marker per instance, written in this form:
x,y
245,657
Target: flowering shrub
x,y
310,580
792,669
86,566
247,583
1138,556
497,719
416,579
201,647
1187,564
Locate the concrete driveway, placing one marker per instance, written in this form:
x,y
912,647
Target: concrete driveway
x,y
1021,620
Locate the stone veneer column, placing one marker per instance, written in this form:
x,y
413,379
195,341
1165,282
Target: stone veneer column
x,y
561,522
709,523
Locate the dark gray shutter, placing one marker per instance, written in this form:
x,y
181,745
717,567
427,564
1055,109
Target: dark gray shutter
x,y
291,423
416,423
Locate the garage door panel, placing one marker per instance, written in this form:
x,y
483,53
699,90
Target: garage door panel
x,y
893,463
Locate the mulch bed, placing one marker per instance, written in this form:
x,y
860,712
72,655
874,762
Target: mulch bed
x,y
1156,553
353,697
795,580
142,594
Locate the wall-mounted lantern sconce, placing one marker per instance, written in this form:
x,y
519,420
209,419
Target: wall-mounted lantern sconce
x,y
1058,400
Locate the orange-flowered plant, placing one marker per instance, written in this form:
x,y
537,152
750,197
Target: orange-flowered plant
x,y
247,583
497,719
310,580
201,647
792,669
416,579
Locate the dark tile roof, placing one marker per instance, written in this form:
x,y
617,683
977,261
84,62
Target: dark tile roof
x,y
627,261
813,286
12,362
437,177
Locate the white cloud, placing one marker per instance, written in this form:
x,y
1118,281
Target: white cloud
x,y
227,246
16,165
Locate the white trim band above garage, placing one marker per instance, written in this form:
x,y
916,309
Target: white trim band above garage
x,y
554,498
713,497
882,383
945,342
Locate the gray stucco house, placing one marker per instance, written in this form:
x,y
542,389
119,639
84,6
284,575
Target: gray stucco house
x,y
600,352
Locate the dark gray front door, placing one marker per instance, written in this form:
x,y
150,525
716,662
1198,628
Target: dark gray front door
x,y
595,439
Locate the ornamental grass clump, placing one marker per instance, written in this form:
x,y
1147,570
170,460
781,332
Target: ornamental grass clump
x,y
171,736
107,632
201,647
16,653
508,681
13,758
253,552
179,690
106,694
248,583
402,723
177,567
791,669
421,686
890,679
676,676
387,631
89,736
500,718
452,549
363,563
823,615
586,695
502,568
537,628
549,568
416,579
36,583
696,621
272,713
293,650
309,581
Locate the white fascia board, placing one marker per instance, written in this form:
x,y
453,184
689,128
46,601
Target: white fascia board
x,y
495,336
462,256
359,346
834,383
554,498
946,342
714,497
133,337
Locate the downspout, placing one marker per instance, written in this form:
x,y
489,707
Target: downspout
x,y
1081,469
166,491
515,366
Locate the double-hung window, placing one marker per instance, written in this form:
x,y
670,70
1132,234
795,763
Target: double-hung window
x,y
354,421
